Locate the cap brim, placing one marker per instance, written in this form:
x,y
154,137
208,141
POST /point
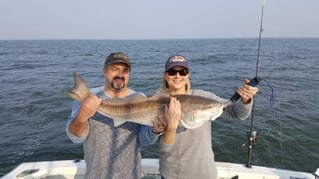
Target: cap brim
x,y
119,61
175,65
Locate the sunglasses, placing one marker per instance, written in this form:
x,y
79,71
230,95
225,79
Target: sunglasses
x,y
173,72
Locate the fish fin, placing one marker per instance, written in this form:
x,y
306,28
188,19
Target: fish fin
x,y
161,93
80,90
134,97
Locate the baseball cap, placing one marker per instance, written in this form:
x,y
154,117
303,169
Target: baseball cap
x,y
176,60
117,57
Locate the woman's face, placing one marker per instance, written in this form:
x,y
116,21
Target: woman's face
x,y
176,79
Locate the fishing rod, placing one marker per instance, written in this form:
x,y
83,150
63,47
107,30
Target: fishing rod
x,y
252,134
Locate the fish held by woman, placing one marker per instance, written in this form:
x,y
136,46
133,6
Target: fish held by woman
x,y
140,109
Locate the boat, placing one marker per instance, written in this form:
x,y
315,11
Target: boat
x,y
75,169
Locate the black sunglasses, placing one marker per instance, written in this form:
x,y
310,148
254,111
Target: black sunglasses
x,y
173,72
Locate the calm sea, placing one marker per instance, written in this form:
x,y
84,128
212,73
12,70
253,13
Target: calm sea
x,y
34,111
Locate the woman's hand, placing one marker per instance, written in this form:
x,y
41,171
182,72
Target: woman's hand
x,y
246,92
172,116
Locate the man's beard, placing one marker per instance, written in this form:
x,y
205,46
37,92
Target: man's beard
x,y
118,87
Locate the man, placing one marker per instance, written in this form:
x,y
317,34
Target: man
x,y
109,151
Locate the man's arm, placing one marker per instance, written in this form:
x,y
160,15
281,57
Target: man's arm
x,y
146,136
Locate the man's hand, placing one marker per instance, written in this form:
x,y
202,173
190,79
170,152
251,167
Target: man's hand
x,y
89,107
159,125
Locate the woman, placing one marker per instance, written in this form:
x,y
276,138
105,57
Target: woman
x,y
187,153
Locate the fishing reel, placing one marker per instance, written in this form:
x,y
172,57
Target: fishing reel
x,y
252,138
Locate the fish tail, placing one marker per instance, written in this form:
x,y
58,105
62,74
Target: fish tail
x,y
80,90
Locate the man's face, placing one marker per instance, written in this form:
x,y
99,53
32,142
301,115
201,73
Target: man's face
x,y
117,76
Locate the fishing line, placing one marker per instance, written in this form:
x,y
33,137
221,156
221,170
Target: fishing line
x,y
272,96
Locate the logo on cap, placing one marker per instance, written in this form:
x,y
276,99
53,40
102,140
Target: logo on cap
x,y
177,58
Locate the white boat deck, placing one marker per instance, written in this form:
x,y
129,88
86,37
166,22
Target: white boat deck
x,y
75,169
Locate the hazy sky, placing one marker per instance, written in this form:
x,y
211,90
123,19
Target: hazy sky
x,y
156,19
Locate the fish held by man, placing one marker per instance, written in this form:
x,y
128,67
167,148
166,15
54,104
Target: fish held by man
x,y
140,109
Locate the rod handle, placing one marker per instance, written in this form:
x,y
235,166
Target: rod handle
x,y
252,82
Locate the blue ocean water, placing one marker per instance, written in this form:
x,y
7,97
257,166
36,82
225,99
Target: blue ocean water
x,y
34,110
